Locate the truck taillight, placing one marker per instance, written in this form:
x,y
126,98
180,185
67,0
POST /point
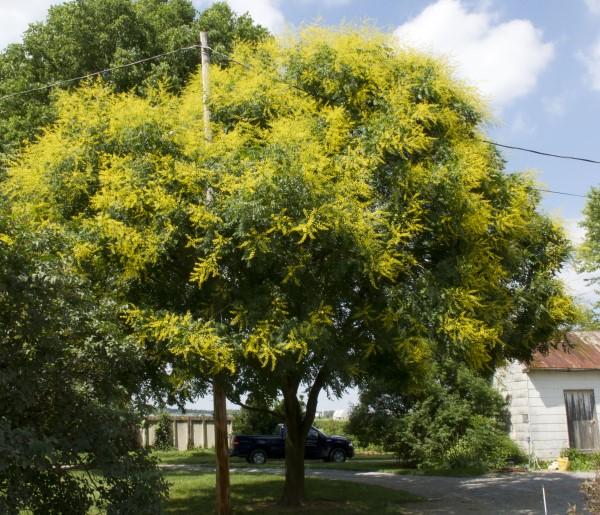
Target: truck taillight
x,y
236,441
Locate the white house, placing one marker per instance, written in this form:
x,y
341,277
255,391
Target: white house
x,y
553,400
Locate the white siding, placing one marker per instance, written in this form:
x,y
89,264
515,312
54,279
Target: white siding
x,y
539,398
549,430
198,430
151,434
512,382
181,429
210,435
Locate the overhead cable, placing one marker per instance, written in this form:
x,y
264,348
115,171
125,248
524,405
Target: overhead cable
x,y
95,74
249,67
560,193
540,153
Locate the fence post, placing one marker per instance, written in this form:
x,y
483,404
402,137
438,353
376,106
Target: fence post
x,y
205,433
190,427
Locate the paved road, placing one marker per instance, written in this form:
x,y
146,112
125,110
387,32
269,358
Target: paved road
x,y
489,494
517,493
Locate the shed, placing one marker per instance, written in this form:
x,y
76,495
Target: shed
x,y
553,400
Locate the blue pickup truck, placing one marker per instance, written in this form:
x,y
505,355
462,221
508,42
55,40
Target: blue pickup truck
x,y
258,448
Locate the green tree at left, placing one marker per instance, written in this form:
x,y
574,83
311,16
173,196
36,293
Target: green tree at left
x,y
68,427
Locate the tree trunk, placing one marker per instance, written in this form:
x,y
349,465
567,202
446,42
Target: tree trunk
x,y
293,489
223,502
297,426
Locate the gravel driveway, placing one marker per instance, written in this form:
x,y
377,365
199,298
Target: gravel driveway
x,y
518,493
490,494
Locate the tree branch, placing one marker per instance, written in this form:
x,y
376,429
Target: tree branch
x,y
313,397
252,408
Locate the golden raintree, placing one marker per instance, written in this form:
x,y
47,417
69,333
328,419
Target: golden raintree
x,y
346,213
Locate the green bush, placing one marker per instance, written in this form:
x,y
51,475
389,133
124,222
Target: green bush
x,y
332,427
458,421
342,428
259,418
582,461
163,439
483,446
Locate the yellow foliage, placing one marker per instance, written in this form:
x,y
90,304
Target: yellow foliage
x,y
341,170
6,239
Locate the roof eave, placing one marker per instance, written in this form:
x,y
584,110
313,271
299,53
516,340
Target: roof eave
x,y
562,369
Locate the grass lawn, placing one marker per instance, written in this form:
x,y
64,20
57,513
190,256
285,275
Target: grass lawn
x,y
363,463
374,463
193,492
207,457
195,457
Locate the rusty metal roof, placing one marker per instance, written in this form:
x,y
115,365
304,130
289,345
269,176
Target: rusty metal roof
x,y
580,351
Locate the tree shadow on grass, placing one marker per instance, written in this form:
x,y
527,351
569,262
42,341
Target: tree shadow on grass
x,y
194,492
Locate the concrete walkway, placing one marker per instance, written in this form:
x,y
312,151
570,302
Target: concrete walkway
x,y
516,493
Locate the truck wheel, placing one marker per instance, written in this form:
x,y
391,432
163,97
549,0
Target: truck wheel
x,y
258,457
338,456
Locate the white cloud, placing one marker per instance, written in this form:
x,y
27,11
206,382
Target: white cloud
x,y
578,286
574,231
591,61
521,125
327,3
503,60
16,15
264,12
555,105
593,6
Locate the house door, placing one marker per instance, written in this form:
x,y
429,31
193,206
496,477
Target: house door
x,y
581,419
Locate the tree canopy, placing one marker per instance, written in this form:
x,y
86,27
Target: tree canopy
x,y
589,252
346,214
85,36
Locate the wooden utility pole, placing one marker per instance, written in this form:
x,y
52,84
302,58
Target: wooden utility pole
x,y
205,57
221,447
223,499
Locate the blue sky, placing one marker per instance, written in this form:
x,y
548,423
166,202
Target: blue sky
x,y
536,62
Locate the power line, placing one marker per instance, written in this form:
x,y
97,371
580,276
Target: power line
x,y
538,152
277,79
126,65
560,193
523,149
248,67
95,74
228,57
